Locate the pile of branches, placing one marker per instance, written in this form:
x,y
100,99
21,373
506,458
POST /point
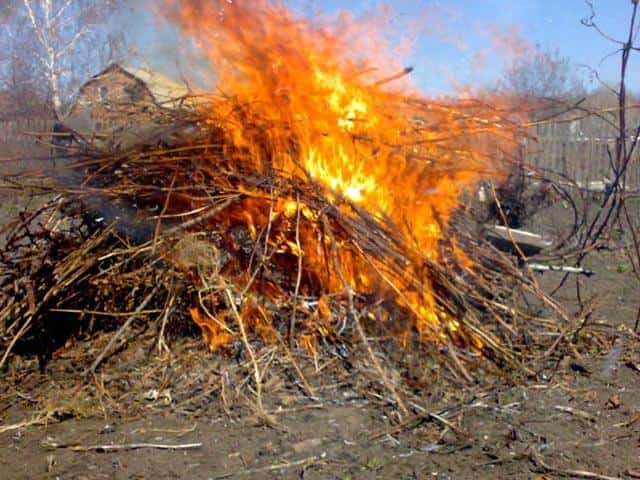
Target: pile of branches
x,y
188,231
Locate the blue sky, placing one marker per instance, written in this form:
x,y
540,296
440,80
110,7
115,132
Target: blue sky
x,y
455,40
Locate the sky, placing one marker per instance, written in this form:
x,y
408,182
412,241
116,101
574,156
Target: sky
x,y
460,43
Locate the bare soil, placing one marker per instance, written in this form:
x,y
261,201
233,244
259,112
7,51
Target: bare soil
x,y
581,420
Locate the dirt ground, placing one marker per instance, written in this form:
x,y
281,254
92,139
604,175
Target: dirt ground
x,y
149,413
582,421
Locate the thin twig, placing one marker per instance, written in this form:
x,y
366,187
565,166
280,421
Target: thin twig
x,y
247,345
568,472
294,300
356,318
37,420
120,447
270,468
120,332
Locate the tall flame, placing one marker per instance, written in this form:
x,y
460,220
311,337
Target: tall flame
x,y
390,152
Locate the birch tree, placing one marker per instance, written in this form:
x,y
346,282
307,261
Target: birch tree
x,y
67,36
22,85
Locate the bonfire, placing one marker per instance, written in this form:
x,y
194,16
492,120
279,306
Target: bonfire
x,y
313,196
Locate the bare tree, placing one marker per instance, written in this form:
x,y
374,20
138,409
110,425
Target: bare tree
x,y
22,84
620,205
65,36
544,78
546,85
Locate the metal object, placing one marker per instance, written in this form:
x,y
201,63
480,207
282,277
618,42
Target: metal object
x,y
538,267
511,239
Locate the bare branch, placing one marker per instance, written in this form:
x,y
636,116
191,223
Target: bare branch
x,y
590,23
71,43
34,23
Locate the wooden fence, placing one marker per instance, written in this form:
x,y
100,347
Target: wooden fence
x,y
579,151
24,131
23,144
576,150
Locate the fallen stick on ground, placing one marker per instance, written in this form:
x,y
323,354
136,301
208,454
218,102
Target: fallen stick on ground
x,y
270,468
568,472
38,420
538,267
119,447
576,412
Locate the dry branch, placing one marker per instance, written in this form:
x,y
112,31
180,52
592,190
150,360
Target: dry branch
x,y
197,229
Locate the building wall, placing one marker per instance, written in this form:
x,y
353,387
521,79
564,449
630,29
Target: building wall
x,y
111,102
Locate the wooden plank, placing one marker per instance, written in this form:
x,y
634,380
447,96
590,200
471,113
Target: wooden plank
x,y
504,238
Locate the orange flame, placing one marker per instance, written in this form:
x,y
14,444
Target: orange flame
x,y
214,332
392,153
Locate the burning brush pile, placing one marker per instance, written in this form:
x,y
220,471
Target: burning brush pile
x,y
309,200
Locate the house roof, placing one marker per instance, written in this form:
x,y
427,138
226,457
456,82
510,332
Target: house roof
x,y
163,88
165,91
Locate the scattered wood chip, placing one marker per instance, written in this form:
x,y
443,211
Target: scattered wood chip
x,y
614,402
575,412
307,444
633,366
629,422
578,367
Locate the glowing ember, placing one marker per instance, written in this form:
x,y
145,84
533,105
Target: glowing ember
x,y
401,158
